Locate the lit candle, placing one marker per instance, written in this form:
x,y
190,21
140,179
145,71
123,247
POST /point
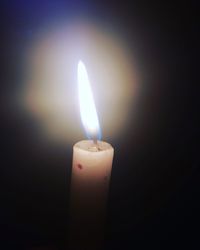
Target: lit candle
x,y
92,163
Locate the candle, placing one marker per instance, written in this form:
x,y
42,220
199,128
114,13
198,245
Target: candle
x,y
91,169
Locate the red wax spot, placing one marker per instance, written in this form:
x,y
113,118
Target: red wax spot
x,y
80,166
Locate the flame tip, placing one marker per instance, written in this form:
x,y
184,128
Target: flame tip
x,y
80,62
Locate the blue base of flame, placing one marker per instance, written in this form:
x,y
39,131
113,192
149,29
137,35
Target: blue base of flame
x,y
97,136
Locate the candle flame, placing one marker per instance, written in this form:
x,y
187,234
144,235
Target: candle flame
x,y
87,106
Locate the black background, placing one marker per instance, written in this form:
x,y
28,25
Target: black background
x,y
154,195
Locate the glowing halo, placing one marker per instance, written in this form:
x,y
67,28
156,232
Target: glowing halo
x,y
50,90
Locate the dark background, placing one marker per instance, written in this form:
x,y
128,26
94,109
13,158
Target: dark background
x,y
154,195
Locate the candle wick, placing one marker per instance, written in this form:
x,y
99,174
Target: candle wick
x,y
96,146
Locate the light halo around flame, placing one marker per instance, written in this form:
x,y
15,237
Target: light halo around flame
x,y
49,94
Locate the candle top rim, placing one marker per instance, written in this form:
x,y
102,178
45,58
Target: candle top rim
x,y
89,146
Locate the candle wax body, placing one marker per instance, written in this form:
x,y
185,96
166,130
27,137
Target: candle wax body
x,y
89,187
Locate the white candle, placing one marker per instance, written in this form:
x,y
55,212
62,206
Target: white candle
x,y
92,164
